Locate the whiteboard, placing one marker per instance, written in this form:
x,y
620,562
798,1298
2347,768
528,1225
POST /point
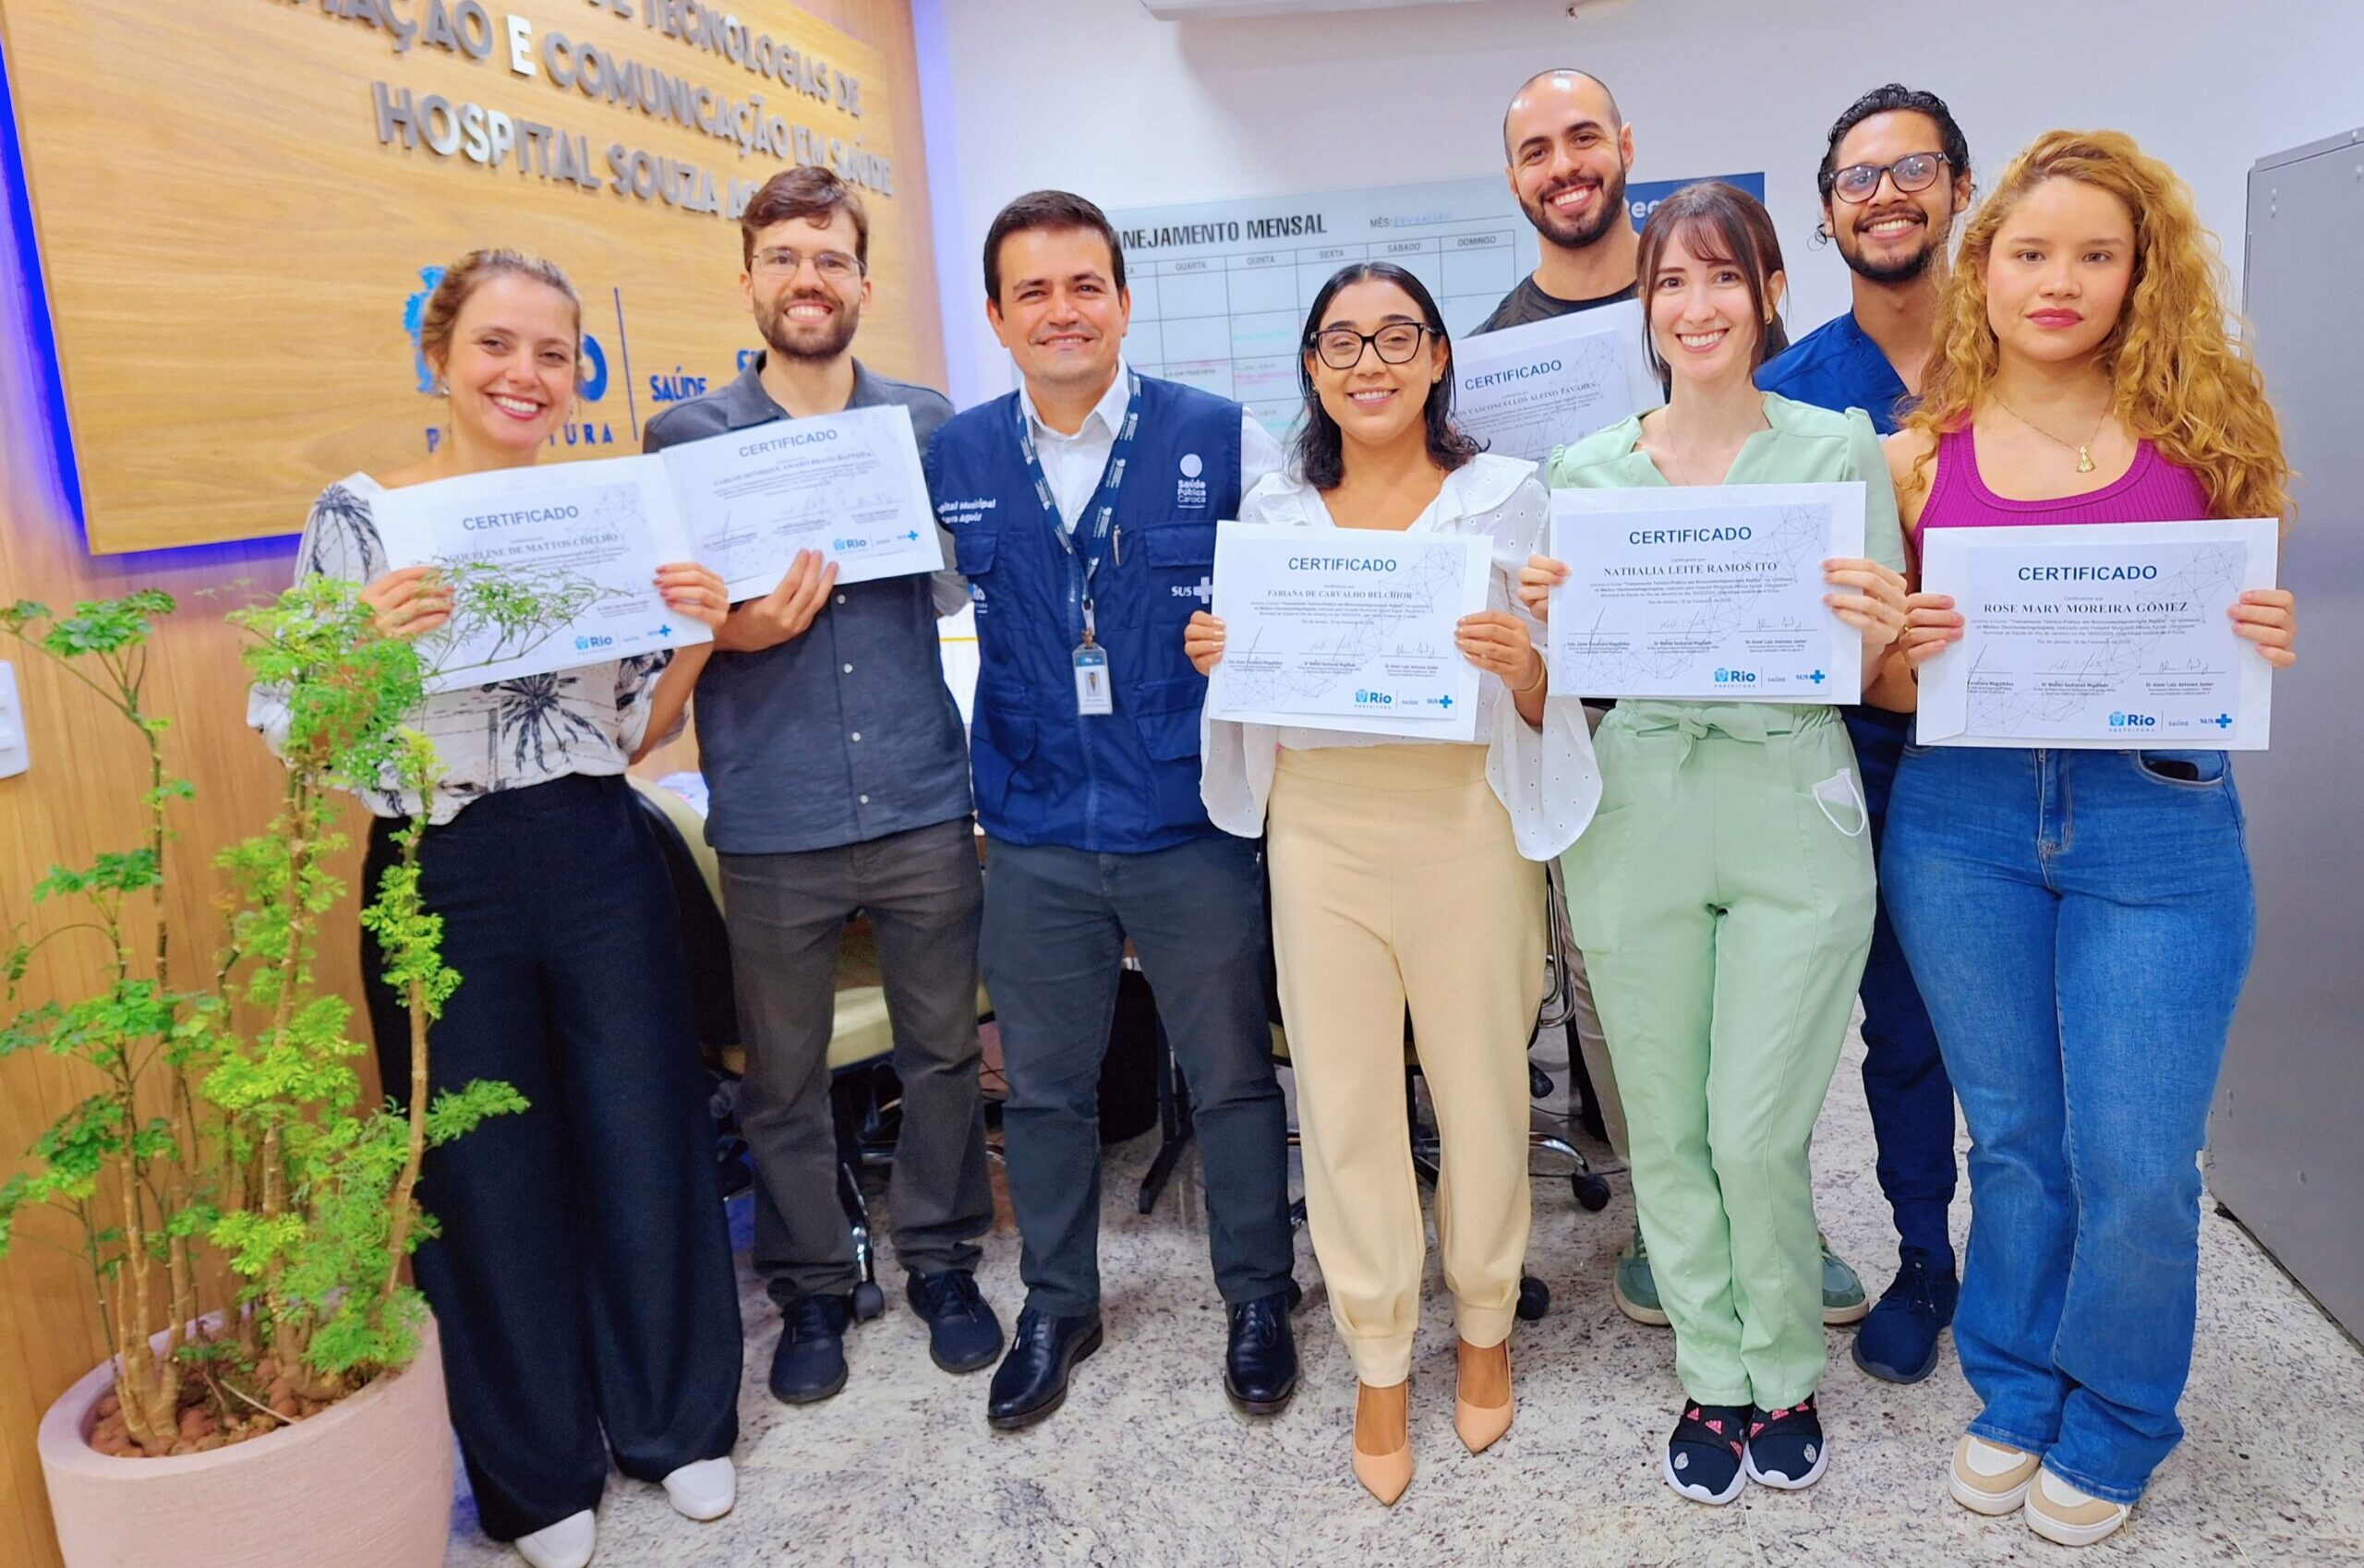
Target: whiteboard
x,y
1220,288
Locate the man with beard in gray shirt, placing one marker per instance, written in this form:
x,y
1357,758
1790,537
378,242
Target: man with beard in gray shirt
x,y
839,776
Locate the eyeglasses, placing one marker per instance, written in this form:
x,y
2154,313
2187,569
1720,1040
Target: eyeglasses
x,y
835,266
1915,171
1340,348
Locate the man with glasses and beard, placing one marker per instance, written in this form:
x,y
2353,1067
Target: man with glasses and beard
x,y
1568,152
838,773
1894,177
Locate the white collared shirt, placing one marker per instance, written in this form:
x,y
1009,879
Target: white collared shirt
x,y
1074,464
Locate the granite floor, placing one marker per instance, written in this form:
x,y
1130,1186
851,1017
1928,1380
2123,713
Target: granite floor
x,y
1149,1468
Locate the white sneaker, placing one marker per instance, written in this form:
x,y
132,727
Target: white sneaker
x,y
567,1544
1990,1478
705,1490
2069,1515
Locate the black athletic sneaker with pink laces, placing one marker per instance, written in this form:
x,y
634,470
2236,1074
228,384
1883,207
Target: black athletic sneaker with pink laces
x,y
1786,1448
1704,1458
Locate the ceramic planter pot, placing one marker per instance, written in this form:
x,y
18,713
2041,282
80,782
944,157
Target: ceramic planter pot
x,y
367,1483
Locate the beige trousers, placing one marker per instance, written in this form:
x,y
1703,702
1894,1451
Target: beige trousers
x,y
1395,881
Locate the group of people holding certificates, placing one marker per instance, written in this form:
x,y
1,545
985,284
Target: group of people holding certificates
x,y
1901,661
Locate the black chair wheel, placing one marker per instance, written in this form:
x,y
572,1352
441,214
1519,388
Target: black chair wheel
x,y
869,1302
1534,1298
1592,1193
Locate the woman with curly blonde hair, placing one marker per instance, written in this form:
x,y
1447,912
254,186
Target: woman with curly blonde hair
x,y
2080,922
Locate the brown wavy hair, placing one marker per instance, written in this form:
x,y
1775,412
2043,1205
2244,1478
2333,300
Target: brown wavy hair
x,y
2181,378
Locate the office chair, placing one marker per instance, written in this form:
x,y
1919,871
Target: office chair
x,y
864,1095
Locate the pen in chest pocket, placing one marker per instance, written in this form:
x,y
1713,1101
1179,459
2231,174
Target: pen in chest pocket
x,y
1117,543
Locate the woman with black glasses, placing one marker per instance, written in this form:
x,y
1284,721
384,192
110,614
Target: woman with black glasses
x,y
1409,873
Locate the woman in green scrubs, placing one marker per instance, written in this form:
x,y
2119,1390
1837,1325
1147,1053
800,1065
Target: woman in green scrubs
x,y
1723,895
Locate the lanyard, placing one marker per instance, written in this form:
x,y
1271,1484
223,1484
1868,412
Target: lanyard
x,y
1112,479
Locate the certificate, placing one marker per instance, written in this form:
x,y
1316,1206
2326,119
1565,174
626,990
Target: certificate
x,y
1347,629
1710,592
847,485
2111,636
586,538
1526,390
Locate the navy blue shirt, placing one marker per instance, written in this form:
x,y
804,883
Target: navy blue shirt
x,y
844,734
1838,367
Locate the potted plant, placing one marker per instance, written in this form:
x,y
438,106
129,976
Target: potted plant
x,y
243,1213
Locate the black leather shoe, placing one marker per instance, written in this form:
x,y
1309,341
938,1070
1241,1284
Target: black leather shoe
x,y
1032,1380
962,1332
810,1363
1260,1364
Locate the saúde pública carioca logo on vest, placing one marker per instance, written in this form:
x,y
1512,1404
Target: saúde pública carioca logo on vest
x,y
1190,490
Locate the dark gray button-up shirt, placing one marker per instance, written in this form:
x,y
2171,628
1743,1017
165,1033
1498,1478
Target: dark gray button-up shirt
x,y
847,733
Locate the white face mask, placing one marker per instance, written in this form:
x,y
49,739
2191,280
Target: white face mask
x,y
1841,791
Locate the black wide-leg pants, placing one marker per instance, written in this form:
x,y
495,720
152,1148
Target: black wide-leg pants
x,y
581,1281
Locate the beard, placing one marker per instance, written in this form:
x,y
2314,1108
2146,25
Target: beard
x,y
1575,233
1904,268
816,344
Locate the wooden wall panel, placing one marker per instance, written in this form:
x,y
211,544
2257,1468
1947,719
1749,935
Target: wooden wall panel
x,y
229,245
359,412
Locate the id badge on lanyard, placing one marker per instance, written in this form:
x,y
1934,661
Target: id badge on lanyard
x,y
1095,694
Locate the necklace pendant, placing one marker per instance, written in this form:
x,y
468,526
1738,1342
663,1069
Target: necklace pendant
x,y
2084,460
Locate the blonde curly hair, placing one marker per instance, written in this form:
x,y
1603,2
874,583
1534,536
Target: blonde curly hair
x,y
2182,380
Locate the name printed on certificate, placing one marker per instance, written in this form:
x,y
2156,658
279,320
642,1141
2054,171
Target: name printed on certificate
x,y
2111,636
1526,390
1347,629
583,539
1706,592
847,485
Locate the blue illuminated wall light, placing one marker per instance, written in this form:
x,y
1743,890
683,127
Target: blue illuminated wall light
x,y
41,344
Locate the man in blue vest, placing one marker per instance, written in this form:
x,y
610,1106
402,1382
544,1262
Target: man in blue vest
x,y
1894,177
1082,509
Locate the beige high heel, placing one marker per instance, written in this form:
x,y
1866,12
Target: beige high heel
x,y
1384,1476
1483,1426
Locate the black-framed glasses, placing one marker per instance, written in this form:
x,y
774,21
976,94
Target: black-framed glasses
x,y
1340,348
1914,172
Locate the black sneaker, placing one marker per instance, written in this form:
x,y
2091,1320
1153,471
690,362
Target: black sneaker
x,y
1703,1456
810,1364
1899,1341
962,1332
1786,1448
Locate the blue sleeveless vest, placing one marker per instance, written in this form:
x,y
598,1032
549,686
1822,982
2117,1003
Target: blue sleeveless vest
x,y
1125,782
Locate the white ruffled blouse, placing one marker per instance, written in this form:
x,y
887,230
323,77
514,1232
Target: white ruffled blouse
x,y
1545,777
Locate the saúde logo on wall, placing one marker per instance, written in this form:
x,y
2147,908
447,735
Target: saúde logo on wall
x,y
590,430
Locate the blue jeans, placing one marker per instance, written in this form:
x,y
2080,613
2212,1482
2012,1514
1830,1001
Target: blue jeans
x,y
1905,1086
2081,923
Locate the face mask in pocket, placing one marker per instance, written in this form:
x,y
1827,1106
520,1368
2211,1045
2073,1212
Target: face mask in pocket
x,y
1841,801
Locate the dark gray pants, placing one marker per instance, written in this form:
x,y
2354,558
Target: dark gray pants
x,y
787,914
1056,924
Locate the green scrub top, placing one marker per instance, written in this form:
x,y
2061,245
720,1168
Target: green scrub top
x,y
1800,445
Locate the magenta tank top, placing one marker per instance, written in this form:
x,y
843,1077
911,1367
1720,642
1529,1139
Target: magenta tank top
x,y
2153,490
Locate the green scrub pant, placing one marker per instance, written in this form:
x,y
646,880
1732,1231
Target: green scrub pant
x,y
1722,898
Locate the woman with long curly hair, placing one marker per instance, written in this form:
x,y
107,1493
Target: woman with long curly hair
x,y
2080,921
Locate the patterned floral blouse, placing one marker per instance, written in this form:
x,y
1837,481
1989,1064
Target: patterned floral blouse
x,y
505,736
